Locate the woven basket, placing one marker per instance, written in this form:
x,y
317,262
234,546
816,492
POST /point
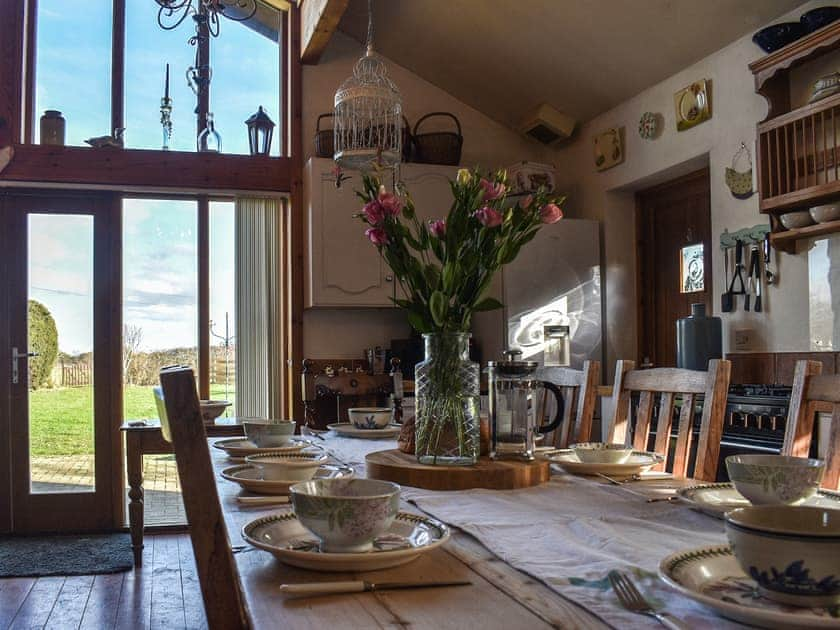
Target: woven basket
x,y
323,139
438,147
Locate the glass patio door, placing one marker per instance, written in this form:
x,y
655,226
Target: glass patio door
x,y
64,361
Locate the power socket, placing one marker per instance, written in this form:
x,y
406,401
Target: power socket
x,y
743,338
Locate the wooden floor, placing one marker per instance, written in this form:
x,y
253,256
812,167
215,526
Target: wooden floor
x,y
164,593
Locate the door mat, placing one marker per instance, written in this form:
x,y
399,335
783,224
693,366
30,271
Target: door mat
x,y
81,554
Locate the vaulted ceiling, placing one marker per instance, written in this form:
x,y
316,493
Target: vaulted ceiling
x,y
505,57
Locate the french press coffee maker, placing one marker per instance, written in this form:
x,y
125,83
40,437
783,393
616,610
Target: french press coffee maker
x,y
516,398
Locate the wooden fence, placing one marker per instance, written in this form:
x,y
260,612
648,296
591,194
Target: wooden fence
x,y
71,374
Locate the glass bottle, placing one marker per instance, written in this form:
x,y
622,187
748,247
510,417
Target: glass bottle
x,y
209,140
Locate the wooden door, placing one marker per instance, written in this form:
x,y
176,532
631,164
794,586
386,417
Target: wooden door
x,y
673,222
61,305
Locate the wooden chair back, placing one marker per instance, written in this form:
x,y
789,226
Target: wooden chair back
x,y
220,588
578,388
814,392
670,383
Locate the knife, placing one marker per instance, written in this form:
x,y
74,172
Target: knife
x,y
358,586
749,282
771,277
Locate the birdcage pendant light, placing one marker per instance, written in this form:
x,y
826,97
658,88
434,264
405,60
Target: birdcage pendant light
x,y
367,125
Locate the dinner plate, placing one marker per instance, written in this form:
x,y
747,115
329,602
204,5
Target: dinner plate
x,y
713,577
346,429
715,499
250,477
290,542
637,463
240,447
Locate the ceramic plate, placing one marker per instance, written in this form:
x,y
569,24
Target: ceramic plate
x,y
715,499
240,447
713,577
636,464
250,478
290,542
346,429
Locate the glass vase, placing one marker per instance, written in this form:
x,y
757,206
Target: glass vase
x,y
446,398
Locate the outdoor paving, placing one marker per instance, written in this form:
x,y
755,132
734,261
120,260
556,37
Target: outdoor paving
x,y
72,473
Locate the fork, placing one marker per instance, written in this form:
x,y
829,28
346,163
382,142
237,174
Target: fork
x,y
632,600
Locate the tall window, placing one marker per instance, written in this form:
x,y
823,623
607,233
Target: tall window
x,y
223,344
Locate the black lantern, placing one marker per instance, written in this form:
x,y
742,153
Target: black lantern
x,y
260,130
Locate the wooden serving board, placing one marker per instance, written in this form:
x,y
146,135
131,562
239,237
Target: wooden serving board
x,y
404,469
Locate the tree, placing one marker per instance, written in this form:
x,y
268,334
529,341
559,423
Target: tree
x,y
132,337
43,339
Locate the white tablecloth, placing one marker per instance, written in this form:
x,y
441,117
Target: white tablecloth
x,y
570,533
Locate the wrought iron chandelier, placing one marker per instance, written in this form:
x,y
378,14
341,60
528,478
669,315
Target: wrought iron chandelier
x,y
172,13
368,114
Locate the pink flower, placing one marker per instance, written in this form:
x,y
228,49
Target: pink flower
x,y
526,201
551,213
492,191
391,204
377,236
374,212
489,217
438,228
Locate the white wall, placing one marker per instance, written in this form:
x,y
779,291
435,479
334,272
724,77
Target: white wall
x,y
343,333
608,195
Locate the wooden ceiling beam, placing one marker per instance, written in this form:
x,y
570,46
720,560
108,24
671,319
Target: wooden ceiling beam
x,y
132,169
319,20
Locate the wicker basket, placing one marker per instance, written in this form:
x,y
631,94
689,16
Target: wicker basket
x,y
323,139
438,147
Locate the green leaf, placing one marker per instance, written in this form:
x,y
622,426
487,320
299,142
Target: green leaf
x,y
437,306
488,304
417,322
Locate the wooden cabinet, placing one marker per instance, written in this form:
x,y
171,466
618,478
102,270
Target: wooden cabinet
x,y
343,268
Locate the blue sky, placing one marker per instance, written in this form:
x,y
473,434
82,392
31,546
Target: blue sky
x,y
73,76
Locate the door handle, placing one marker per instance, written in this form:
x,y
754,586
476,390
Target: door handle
x,y
15,356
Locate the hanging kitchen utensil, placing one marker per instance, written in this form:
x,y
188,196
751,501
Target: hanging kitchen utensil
x,y
737,276
740,182
768,274
726,296
758,279
749,286
752,277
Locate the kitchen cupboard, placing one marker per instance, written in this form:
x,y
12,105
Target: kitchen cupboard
x,y
343,267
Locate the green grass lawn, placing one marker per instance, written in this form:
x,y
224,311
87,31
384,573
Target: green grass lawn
x,y
61,420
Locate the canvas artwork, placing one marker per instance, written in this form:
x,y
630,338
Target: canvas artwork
x,y
609,149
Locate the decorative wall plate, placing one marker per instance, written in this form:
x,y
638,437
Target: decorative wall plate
x,y
609,148
648,125
693,104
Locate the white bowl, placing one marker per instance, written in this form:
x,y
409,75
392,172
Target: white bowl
x,y
346,514
825,213
370,417
287,467
212,409
268,433
793,553
601,452
798,219
775,479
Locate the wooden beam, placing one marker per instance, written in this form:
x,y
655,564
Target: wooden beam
x,y
124,169
319,20
12,30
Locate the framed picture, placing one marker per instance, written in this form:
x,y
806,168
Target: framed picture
x,y
609,148
692,275
693,104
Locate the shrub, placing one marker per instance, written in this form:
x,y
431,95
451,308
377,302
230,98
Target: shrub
x,y
43,339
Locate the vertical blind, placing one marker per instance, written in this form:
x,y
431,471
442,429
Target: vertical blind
x,y
260,325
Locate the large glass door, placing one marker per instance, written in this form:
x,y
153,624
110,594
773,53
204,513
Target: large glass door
x,y
65,370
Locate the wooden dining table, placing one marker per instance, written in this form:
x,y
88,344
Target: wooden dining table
x,y
499,596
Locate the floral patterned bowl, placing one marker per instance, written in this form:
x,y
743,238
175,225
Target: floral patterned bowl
x,y
793,553
601,452
287,466
267,432
370,417
775,479
346,514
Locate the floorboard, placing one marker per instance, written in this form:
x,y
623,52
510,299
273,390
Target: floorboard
x,y
164,593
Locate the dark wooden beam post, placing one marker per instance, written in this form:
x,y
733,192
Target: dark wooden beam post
x,y
118,66
12,29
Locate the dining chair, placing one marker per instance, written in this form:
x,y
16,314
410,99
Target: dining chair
x,y
670,384
814,392
220,588
579,394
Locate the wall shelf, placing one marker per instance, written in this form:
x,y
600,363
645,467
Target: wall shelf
x,y
797,150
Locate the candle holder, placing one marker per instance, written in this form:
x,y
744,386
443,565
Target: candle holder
x,y
166,120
